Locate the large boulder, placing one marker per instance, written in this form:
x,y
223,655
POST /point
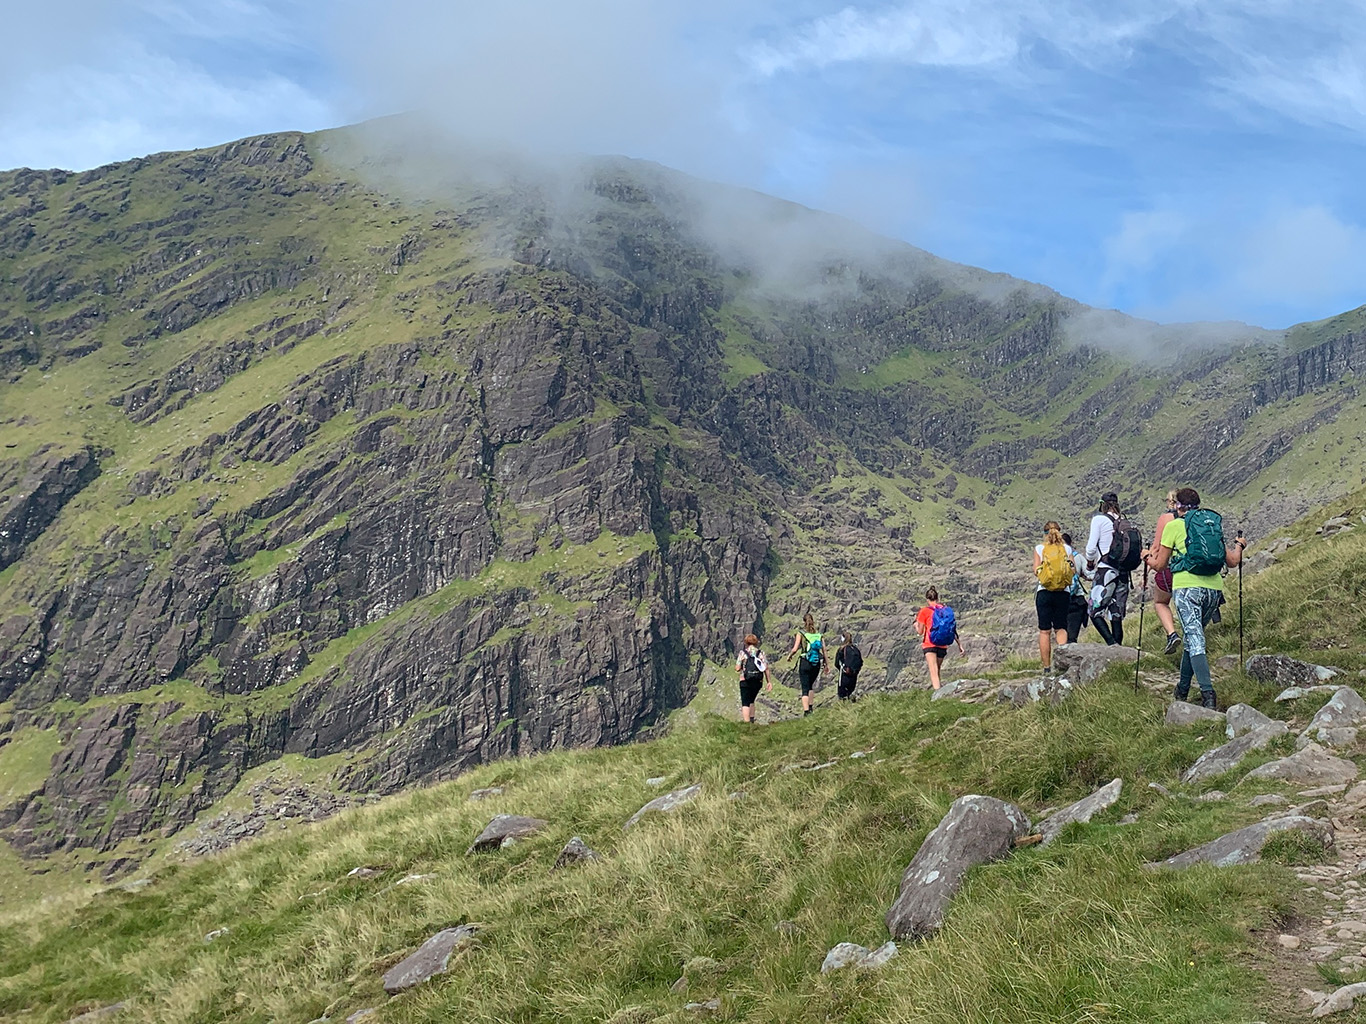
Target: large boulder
x,y
504,827
1337,722
1182,712
1081,811
1245,845
1083,663
975,830
1243,718
1052,689
1286,671
668,802
432,958
1221,759
1340,1000
1310,766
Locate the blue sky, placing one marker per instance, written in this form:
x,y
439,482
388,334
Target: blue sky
x,y
1178,159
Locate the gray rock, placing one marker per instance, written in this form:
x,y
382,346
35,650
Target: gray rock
x,y
1053,689
1296,692
1083,663
1286,671
706,1006
575,851
1268,800
1245,845
1340,1001
1081,811
850,954
1221,759
657,780
1313,766
1337,722
1182,712
1243,718
945,691
975,830
486,792
787,928
1322,791
361,1015
505,826
430,959
1161,790
103,1013
217,933
1213,796
1128,819
363,872
666,803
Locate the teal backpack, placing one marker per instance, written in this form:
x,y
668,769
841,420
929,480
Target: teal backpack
x,y
814,647
1204,554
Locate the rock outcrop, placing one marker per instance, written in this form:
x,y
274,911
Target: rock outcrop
x,y
504,829
433,957
666,803
1338,722
1083,663
976,829
1283,670
1227,757
1245,845
1082,811
1309,766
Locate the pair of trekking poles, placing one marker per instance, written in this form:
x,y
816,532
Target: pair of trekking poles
x,y
1143,606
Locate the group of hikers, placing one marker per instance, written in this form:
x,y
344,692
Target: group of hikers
x,y
1187,556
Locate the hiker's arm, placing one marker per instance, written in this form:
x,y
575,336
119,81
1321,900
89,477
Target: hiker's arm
x,y
1038,561
768,671
1159,561
959,641
1233,554
796,643
1093,542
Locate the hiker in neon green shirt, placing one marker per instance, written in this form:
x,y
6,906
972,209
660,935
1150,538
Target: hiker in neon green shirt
x,y
1193,545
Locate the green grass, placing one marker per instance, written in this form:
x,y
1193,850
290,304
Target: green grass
x,y
1076,931
24,762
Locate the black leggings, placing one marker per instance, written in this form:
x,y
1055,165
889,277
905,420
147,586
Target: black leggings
x,y
807,671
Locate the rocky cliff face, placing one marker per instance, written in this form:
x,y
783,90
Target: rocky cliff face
x,y
298,467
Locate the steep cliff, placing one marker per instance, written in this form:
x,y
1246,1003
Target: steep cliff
x,y
301,461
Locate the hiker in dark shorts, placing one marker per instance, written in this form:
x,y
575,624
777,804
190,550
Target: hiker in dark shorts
x,y
935,653
809,647
1078,594
1055,571
754,669
848,662
1162,580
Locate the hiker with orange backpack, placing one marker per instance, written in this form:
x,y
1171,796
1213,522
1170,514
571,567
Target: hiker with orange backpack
x,y
937,626
1055,570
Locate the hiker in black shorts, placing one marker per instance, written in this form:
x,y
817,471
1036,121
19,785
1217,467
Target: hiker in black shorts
x,y
754,669
809,647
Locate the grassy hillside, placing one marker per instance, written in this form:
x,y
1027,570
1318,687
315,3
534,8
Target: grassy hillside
x,y
1076,931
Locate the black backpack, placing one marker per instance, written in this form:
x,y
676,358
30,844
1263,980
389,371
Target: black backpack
x,y
852,659
1126,546
752,672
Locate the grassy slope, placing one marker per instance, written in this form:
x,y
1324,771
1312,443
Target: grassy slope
x,y
1078,931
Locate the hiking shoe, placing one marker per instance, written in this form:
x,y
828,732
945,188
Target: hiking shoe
x,y
1180,694
807,712
1173,642
1207,700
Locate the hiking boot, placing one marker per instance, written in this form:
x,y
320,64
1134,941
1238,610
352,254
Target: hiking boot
x,y
1207,700
807,712
1173,642
1181,693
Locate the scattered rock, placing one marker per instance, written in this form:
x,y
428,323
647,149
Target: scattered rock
x,y
1221,759
1340,1001
701,967
505,826
360,1015
657,780
1052,689
1243,718
975,830
1213,796
1286,671
631,1015
1268,800
739,794
1081,811
1318,791
1313,764
1296,692
363,872
432,958
1083,663
1245,845
1182,712
575,851
103,1013
486,792
850,954
217,933
1337,722
1161,790
273,801
1128,819
666,803
411,879
1288,941
135,885
787,928
709,1006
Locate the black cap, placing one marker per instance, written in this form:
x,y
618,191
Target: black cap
x,y
1109,496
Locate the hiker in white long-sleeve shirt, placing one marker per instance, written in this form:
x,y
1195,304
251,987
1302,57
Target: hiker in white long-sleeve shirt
x,y
1109,554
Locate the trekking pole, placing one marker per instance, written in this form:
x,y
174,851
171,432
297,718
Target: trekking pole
x,y
1240,602
1142,607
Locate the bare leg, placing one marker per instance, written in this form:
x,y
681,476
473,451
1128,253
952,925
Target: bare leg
x,y
1045,648
746,712
1060,638
932,663
806,702
1162,604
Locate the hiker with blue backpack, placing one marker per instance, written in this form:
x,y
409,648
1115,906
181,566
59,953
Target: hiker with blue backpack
x,y
1193,545
808,646
937,627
